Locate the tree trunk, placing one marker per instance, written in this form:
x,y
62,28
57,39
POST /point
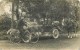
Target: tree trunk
x,y
17,12
76,13
12,14
17,9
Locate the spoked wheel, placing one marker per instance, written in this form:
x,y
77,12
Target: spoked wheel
x,y
34,37
27,37
55,33
14,39
14,36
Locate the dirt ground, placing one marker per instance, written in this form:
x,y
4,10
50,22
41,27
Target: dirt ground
x,y
62,43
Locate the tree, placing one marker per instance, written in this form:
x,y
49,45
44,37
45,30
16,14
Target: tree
x,y
41,6
53,9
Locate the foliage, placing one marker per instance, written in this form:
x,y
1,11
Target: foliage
x,y
5,23
46,8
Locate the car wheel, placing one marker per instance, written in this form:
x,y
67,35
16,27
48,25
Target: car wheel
x,y
27,37
34,37
14,36
14,39
55,33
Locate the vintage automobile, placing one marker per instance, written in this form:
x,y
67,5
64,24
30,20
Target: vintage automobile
x,y
33,31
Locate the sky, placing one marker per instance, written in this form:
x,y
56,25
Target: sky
x,y
5,7
0,0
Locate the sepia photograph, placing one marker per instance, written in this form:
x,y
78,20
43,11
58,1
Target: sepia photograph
x,y
39,24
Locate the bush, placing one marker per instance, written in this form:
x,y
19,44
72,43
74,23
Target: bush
x,y
3,35
5,23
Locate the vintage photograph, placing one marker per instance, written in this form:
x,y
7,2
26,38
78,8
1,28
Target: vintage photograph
x,y
39,24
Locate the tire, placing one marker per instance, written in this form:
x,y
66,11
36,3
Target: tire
x,y
27,37
55,33
14,36
14,39
34,37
